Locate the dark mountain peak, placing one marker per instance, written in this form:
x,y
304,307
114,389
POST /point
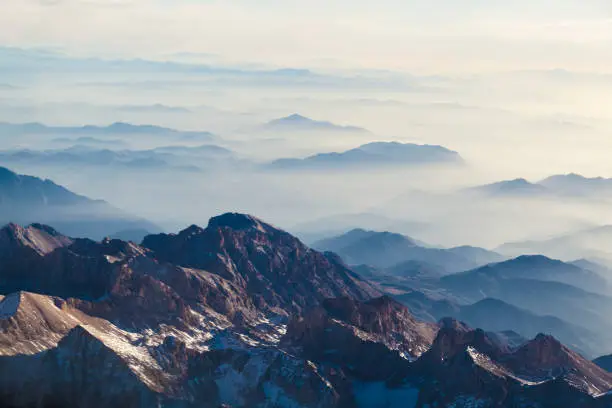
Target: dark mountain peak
x,y
518,186
297,121
377,154
490,303
237,221
389,250
534,259
126,127
530,266
358,231
398,148
361,235
296,117
120,249
121,125
577,185
546,358
192,230
543,348
274,267
386,301
548,342
574,176
21,191
526,261
514,183
569,177
454,337
518,182
448,323
334,258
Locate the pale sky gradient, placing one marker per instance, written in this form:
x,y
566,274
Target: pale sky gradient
x,y
426,36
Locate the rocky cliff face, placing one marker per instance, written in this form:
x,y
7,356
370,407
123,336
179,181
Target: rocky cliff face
x,y
279,273
465,363
380,320
243,314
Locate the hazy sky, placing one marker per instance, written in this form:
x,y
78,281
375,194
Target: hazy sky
x,y
519,88
422,36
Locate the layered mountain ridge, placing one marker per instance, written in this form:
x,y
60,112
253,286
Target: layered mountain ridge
x,y
241,313
28,199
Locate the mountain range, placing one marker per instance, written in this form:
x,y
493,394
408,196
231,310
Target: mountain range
x,y
542,286
374,154
241,313
569,299
592,243
28,199
532,267
500,317
117,128
299,123
565,185
180,158
386,249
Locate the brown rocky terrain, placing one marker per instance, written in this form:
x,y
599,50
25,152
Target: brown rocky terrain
x,y
243,314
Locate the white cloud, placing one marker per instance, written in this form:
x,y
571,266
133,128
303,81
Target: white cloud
x,y
425,35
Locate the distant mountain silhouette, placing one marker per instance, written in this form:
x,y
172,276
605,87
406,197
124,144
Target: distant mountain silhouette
x,y
594,243
386,249
117,128
565,185
320,228
181,158
28,199
534,267
543,286
477,255
374,155
575,185
596,267
517,187
296,122
498,316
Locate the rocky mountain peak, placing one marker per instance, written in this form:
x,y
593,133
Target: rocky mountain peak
x,y
41,238
455,337
545,352
448,323
192,230
237,221
274,267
